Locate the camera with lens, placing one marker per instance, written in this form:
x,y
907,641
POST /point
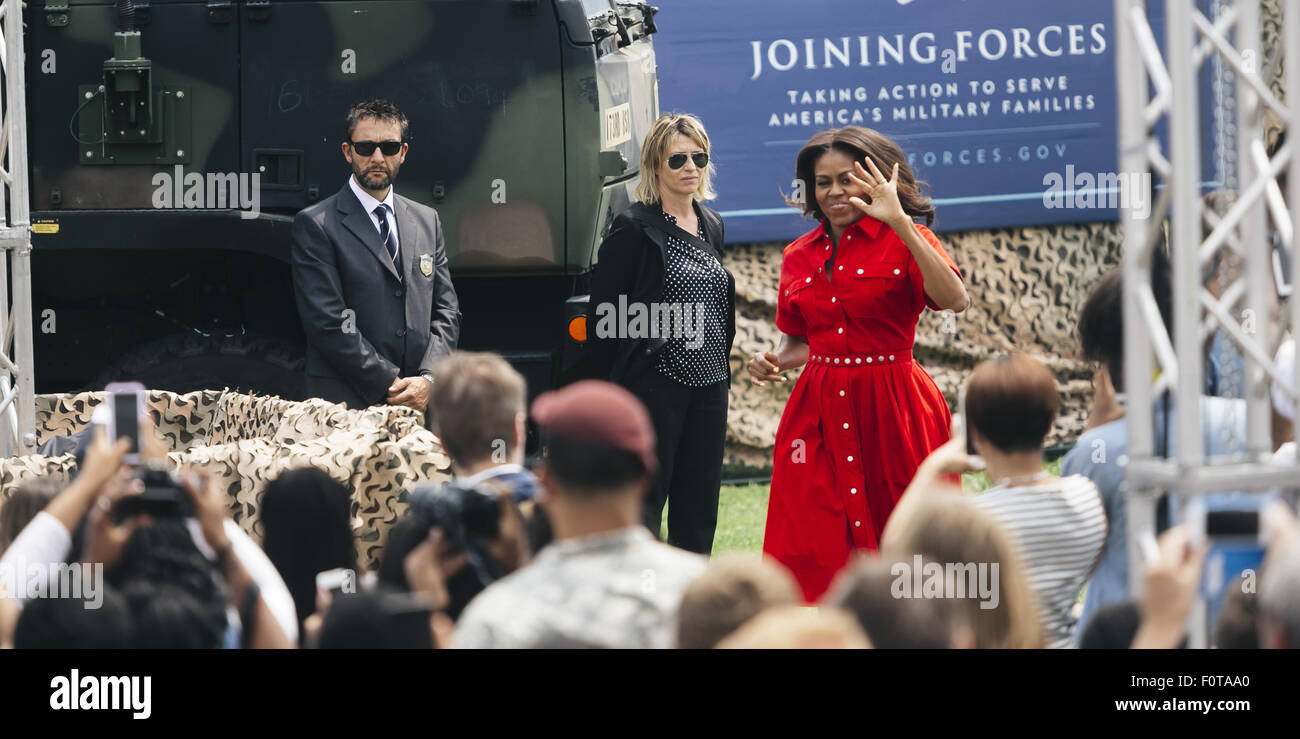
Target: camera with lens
x,y
163,496
462,511
469,517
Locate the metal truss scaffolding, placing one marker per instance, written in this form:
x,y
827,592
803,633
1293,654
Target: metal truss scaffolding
x,y
17,387
1158,86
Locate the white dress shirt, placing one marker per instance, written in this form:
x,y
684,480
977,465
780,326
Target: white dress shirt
x,y
369,203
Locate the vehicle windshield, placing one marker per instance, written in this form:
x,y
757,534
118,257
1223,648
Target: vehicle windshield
x,y
596,7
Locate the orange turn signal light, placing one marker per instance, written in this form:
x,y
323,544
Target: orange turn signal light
x,y
578,328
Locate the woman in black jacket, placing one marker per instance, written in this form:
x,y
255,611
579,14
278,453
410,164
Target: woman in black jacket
x,y
662,321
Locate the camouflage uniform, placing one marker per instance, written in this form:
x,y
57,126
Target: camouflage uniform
x,y
617,590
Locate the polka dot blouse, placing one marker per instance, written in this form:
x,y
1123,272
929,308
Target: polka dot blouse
x,y
696,353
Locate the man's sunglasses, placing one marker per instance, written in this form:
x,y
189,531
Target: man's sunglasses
x,y
367,148
677,161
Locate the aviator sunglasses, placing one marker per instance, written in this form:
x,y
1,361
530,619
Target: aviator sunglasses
x,y
366,148
677,161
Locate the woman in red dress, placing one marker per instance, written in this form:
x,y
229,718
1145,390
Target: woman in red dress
x,y
863,414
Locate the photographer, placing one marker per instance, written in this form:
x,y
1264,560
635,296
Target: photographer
x,y
479,537
478,405
47,538
157,538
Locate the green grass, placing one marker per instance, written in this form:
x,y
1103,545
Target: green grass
x,y
742,512
978,482
742,515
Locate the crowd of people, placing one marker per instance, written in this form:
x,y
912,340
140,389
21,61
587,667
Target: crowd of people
x,y
560,556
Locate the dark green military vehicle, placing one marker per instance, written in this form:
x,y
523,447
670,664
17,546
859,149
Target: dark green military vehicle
x,y
166,168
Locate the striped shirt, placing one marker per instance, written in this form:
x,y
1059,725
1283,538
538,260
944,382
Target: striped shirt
x,y
1059,527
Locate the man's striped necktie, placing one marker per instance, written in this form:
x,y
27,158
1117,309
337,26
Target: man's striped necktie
x,y
386,234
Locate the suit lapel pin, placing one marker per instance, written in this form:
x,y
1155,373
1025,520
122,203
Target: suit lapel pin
x,y
426,264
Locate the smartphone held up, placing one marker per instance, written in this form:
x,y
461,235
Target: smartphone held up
x,y
123,415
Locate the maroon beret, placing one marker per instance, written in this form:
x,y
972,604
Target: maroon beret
x,y
599,411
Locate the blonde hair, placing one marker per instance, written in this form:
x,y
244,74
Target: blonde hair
x,y
944,526
475,399
792,627
655,149
733,589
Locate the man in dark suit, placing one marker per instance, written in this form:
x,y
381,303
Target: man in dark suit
x,y
370,277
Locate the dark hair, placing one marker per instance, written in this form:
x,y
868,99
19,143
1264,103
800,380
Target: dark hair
x,y
1112,627
1101,326
167,616
1162,288
1101,318
164,552
537,524
1012,401
161,563
863,590
584,466
66,623
22,506
1273,149
405,535
307,517
367,620
1115,626
860,143
380,109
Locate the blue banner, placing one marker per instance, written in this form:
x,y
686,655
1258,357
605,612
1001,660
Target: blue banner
x,y
992,101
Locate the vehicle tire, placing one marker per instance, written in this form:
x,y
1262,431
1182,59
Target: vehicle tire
x,y
184,362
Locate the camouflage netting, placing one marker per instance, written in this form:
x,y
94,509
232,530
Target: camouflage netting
x,y
379,453
1025,284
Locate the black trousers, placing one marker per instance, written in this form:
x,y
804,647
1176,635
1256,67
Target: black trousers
x,y
691,429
